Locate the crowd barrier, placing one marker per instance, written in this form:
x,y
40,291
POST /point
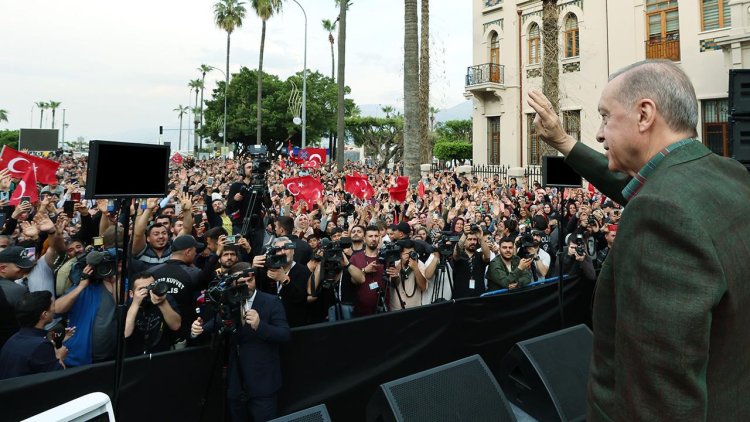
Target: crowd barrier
x,y
339,364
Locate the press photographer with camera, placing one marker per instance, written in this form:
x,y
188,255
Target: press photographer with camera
x,y
152,323
468,265
367,273
407,278
577,261
284,227
279,275
254,372
333,289
507,270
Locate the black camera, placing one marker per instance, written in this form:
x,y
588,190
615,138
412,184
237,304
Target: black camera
x,y
389,253
592,220
474,228
447,242
524,244
159,288
226,299
580,245
277,261
345,208
333,253
101,261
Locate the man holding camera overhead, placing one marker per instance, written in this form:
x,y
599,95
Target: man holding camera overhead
x,y
279,275
468,265
508,270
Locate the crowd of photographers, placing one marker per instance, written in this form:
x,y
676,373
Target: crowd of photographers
x,y
230,228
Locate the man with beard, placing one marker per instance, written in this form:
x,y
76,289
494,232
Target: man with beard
x,y
152,321
508,270
357,235
468,265
216,213
367,273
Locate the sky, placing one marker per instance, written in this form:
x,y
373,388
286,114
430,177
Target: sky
x,y
121,68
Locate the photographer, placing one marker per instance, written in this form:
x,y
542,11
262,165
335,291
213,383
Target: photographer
x,y
302,251
367,274
153,322
333,283
287,280
507,270
239,196
468,265
540,258
577,261
407,278
254,373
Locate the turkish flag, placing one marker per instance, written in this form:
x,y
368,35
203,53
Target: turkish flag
x,y
359,186
305,188
295,156
281,163
177,158
18,163
316,154
420,189
398,193
313,164
26,187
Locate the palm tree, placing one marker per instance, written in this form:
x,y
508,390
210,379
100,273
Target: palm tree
x,y
425,139
411,91
330,27
340,126
181,111
228,15
197,85
387,110
42,106
53,105
265,9
550,60
204,68
3,115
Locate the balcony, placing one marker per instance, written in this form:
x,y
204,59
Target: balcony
x,y
488,77
664,48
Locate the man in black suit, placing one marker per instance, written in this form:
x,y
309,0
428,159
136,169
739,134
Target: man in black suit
x,y
29,351
302,250
254,379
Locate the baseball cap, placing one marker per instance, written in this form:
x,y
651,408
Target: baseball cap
x,y
16,255
185,242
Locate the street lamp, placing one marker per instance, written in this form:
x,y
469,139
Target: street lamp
x,y
304,83
226,93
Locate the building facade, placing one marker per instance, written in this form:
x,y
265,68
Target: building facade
x,y
595,38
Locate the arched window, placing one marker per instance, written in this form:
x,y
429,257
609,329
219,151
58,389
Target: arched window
x,y
571,36
535,44
495,58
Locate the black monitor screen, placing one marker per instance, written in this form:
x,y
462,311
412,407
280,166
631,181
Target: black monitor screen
x,y
555,172
124,169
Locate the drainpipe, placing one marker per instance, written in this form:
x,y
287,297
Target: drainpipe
x,y
520,90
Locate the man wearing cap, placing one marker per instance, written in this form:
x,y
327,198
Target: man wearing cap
x,y
14,264
184,279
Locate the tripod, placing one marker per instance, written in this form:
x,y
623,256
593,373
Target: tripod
x,y
441,275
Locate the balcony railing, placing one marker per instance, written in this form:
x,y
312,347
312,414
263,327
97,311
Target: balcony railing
x,y
485,73
664,48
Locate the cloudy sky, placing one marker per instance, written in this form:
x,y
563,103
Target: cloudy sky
x,y
121,68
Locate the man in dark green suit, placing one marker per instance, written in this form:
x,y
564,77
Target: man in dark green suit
x,y
672,304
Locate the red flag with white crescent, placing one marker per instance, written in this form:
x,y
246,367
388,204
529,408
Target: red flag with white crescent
x,y
18,163
398,193
305,188
316,154
359,186
177,158
26,187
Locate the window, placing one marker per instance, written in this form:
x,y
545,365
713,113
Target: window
x,y
493,140
495,58
572,123
535,149
571,36
715,14
715,130
663,30
535,44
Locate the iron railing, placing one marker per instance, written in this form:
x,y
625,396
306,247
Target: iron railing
x,y
484,73
664,47
531,173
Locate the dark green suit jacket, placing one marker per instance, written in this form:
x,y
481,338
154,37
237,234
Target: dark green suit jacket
x,y
672,304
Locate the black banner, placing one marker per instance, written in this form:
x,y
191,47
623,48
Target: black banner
x,y
339,364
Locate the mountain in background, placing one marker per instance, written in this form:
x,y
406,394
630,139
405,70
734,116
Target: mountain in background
x,y
460,111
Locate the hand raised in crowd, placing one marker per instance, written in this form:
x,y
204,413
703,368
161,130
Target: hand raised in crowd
x,y
5,180
101,205
152,203
29,229
259,261
43,222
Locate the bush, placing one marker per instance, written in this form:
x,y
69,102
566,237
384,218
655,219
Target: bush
x,y
452,150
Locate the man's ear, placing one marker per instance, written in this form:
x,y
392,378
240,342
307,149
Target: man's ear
x,y
646,109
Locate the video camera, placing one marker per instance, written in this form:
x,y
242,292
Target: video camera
x,y
333,253
389,253
277,261
226,299
447,242
159,288
102,262
261,164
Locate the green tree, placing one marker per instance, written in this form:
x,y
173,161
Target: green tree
x,y
42,106
265,9
411,92
9,138
454,130
181,111
330,27
340,105
53,105
278,127
452,150
3,116
382,138
425,137
228,15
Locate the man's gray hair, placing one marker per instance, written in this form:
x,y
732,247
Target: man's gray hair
x,y
282,239
667,85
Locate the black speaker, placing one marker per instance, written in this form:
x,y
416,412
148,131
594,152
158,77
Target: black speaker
x,y
127,170
739,92
317,413
464,390
739,132
547,376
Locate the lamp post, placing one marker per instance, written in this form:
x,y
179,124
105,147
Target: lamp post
x,y
304,83
226,93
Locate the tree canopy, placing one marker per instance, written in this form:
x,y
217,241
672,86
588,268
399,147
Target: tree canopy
x,y
452,150
9,138
454,130
277,124
381,138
